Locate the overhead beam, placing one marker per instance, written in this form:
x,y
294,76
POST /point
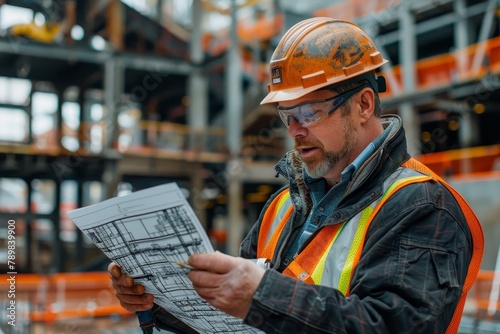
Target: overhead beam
x,y
428,25
17,46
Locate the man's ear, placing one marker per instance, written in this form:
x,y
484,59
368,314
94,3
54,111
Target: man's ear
x,y
366,104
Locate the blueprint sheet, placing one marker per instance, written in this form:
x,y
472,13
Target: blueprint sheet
x,y
146,233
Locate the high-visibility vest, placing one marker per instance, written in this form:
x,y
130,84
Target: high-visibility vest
x,y
338,256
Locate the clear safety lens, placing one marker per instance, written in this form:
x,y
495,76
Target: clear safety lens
x,y
312,112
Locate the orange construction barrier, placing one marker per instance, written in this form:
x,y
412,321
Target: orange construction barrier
x,y
444,69
63,296
474,160
264,28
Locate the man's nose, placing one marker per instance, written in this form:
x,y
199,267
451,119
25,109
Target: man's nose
x,y
295,128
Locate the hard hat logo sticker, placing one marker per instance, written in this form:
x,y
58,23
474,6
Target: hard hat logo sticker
x,y
276,75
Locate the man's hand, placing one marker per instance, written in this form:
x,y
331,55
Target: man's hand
x,y
227,283
131,297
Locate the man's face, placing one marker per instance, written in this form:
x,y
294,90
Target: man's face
x,y
326,144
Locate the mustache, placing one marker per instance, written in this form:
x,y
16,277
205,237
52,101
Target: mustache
x,y
300,142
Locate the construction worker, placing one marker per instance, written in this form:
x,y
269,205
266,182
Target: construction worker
x,y
363,239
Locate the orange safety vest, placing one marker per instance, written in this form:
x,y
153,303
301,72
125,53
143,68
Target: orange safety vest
x,y
309,265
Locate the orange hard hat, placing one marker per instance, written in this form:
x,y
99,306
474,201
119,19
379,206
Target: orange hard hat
x,y
319,52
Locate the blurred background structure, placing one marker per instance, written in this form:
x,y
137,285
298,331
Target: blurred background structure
x,y
103,97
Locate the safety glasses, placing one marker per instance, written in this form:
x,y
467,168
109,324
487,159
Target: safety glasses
x,y
312,112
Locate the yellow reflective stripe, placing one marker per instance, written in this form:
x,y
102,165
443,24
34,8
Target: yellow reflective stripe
x,y
398,182
345,275
366,218
282,201
317,274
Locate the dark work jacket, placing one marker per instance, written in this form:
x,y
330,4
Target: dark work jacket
x,y
411,271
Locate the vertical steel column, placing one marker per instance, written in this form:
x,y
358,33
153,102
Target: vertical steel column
x,y
461,36
79,253
197,82
234,92
113,88
197,116
59,120
29,110
59,256
407,46
28,265
408,55
58,251
480,58
234,88
82,145
467,131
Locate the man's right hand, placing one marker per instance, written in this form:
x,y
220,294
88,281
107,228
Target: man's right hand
x,y
132,297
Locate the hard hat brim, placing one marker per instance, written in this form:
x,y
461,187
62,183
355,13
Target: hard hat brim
x,y
286,95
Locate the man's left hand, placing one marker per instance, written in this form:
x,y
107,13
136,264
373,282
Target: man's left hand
x,y
226,282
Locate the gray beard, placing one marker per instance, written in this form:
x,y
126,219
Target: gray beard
x,y
331,158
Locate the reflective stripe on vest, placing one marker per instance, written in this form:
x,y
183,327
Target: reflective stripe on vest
x,y
275,218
